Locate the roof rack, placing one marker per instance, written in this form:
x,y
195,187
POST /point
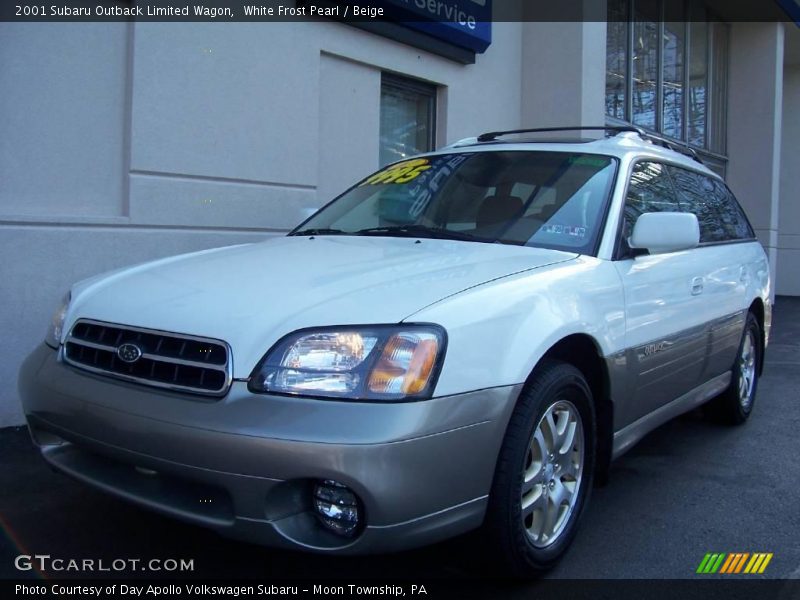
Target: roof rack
x,y
608,129
492,135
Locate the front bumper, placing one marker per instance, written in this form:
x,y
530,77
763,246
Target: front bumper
x,y
245,465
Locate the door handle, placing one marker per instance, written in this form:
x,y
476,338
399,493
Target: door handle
x,y
697,286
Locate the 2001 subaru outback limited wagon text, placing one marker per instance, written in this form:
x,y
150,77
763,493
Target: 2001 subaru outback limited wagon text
x,y
465,338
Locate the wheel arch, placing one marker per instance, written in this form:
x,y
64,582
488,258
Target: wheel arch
x,y
757,308
583,352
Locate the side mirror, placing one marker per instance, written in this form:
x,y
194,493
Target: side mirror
x,y
662,232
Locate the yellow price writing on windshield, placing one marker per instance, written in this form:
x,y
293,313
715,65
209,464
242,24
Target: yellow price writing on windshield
x,y
402,172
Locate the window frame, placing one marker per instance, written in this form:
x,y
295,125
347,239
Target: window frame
x,y
715,142
415,86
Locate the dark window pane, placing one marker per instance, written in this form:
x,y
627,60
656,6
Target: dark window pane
x,y
645,62
719,215
674,69
650,190
696,194
617,58
732,214
698,79
407,119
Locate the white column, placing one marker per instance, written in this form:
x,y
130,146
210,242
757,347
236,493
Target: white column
x,y
754,127
789,224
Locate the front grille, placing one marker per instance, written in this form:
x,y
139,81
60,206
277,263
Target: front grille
x,y
168,360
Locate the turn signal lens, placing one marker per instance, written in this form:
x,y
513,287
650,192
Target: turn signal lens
x,y
405,365
53,337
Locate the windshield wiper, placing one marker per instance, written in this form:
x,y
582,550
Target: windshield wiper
x,y
396,231
319,231
419,231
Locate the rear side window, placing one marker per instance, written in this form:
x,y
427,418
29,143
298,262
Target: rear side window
x,y
650,190
742,227
720,217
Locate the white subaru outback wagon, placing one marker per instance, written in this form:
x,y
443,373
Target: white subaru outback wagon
x,y
465,338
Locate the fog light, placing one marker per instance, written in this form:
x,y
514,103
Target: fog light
x,y
337,507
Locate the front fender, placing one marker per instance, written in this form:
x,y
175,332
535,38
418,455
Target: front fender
x,y
498,331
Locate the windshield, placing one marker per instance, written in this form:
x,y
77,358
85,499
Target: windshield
x,y
545,199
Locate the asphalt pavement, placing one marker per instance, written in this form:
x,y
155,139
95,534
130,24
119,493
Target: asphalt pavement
x,y
689,488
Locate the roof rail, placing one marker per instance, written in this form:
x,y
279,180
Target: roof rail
x,y
492,135
470,141
608,129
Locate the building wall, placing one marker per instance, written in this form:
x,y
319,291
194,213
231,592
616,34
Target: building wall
x,y
788,280
563,84
121,143
755,127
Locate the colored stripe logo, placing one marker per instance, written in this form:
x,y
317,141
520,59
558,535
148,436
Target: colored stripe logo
x,y
734,562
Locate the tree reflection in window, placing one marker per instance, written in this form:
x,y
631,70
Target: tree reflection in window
x,y
720,217
650,190
696,195
644,62
687,98
617,60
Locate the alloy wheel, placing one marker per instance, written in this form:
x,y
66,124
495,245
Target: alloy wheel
x,y
552,473
747,370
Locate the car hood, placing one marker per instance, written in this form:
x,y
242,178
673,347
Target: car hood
x,y
252,295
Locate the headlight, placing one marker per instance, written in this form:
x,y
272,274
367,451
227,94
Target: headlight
x,y
53,338
386,362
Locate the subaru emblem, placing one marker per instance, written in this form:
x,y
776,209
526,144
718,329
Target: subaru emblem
x,y
129,353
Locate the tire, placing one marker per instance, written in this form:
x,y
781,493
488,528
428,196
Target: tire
x,y
734,405
526,541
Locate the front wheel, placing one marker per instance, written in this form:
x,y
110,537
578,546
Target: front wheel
x,y
544,471
735,404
